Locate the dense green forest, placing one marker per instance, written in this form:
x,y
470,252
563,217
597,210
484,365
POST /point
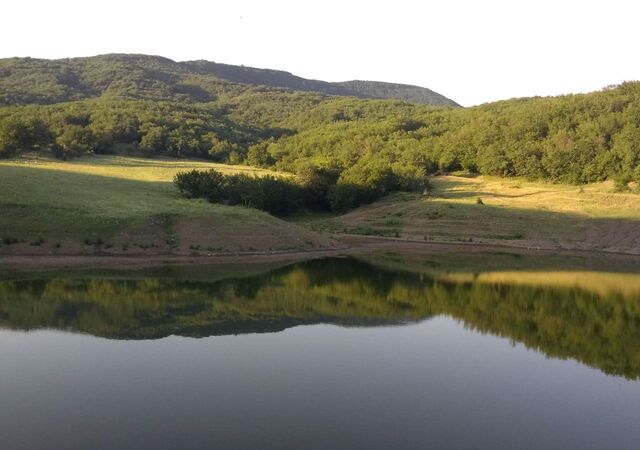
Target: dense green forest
x,y
153,106
596,329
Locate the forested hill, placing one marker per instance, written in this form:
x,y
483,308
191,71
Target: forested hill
x,y
28,80
354,88
152,106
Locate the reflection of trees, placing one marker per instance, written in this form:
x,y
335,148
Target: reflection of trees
x,y
599,330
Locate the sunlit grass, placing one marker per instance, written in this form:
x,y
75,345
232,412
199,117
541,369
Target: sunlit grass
x,y
509,211
596,200
99,195
129,168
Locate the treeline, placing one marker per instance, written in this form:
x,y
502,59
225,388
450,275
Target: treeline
x,y
572,139
126,126
317,189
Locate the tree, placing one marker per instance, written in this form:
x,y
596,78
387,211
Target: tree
x,y
76,139
13,136
258,155
219,150
318,181
154,140
20,135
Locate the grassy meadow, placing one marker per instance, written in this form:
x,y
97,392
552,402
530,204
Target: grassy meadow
x,y
113,203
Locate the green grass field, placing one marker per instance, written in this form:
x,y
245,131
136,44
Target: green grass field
x,y
108,198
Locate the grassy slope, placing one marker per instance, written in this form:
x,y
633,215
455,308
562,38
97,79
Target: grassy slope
x,y
131,206
513,212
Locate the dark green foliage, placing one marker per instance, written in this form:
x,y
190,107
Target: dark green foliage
x,y
154,139
77,139
109,126
316,189
345,196
277,196
318,182
17,134
198,184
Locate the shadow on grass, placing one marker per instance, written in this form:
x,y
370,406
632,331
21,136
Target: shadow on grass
x,y
140,161
451,189
419,217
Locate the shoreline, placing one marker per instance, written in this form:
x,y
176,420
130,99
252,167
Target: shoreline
x,y
354,245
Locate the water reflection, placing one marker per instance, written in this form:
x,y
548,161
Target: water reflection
x,y
598,327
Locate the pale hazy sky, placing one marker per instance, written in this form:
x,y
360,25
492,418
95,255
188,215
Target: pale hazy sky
x,y
470,51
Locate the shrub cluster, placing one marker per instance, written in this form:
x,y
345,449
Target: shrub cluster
x,y
316,189
277,196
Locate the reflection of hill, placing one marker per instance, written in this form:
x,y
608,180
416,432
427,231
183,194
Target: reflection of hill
x,y
596,328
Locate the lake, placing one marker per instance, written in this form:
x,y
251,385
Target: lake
x,y
332,353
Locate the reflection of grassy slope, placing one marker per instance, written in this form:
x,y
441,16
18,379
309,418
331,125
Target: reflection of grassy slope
x,y
601,283
513,212
600,329
101,196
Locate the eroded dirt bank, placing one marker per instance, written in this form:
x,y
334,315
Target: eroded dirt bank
x,y
397,252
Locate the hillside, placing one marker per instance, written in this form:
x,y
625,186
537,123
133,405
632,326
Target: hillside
x,y
105,205
125,206
355,88
28,80
386,144
505,212
345,152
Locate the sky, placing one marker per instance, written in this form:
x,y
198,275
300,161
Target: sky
x,y
470,51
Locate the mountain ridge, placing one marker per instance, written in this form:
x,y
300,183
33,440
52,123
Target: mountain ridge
x,y
356,88
43,81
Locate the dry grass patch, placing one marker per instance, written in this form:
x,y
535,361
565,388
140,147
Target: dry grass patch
x,y
513,212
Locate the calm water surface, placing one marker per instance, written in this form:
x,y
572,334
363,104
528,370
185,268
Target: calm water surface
x,y
324,354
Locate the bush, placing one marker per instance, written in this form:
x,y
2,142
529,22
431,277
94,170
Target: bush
x,y
23,134
345,196
277,196
317,181
9,240
316,189
197,184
